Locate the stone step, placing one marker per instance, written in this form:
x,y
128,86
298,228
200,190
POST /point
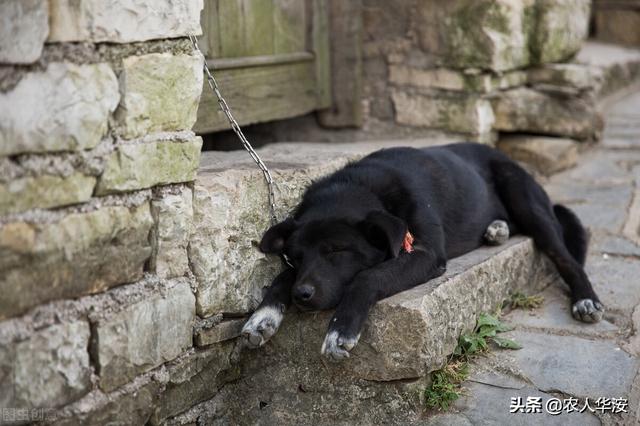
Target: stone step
x,y
407,335
619,67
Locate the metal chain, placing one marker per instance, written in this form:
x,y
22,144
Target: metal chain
x,y
238,131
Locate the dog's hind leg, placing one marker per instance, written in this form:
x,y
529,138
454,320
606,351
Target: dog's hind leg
x,y
266,320
531,210
497,233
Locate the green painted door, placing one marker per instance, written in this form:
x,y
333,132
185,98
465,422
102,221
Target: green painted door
x,y
269,57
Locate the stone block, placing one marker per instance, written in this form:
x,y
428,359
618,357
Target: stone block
x,y
123,21
45,191
549,113
546,155
49,369
69,256
485,34
194,378
172,212
160,92
221,332
576,76
406,336
23,30
64,108
143,335
561,28
145,164
462,113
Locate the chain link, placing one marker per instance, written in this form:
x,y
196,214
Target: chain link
x,y
245,143
238,131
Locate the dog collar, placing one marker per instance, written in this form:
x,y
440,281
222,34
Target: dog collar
x,y
407,244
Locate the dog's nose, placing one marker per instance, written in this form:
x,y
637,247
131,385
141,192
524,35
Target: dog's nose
x,y
304,292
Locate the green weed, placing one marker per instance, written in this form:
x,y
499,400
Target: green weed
x,y
446,383
522,301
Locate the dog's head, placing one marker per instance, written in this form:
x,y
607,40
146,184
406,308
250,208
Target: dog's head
x,y
327,254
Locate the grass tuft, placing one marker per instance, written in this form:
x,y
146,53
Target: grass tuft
x,y
446,383
522,301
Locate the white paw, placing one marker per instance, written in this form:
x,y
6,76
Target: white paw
x,y
586,310
497,233
262,325
336,347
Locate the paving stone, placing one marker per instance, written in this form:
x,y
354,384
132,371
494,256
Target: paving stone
x,y
616,281
599,208
614,245
143,165
172,212
555,316
81,253
529,111
484,404
598,168
44,192
160,92
546,155
123,21
143,335
455,113
25,25
572,365
48,369
64,108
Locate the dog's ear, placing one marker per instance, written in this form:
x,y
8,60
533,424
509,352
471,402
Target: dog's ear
x,y
275,237
384,231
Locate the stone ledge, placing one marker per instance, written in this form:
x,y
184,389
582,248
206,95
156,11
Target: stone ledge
x,y
406,337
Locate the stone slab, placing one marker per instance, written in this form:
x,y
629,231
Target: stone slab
x,y
123,21
554,316
160,92
145,164
143,335
24,26
45,191
616,281
48,369
221,332
529,111
77,254
573,365
463,113
63,108
172,211
547,155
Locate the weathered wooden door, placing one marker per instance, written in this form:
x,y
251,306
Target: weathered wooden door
x,y
270,59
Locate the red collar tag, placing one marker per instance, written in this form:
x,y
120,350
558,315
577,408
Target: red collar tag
x,y
407,244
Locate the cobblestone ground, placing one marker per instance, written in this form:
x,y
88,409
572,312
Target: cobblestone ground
x,y
562,359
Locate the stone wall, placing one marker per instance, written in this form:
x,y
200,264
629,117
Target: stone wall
x,y
480,67
97,163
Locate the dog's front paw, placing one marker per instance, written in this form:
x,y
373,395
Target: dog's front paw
x,y
262,325
336,346
587,310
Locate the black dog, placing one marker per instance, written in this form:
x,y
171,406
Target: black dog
x,y
350,239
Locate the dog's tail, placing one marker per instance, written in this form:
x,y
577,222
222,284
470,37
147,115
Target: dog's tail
x,y
575,236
